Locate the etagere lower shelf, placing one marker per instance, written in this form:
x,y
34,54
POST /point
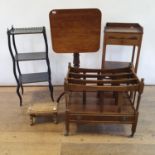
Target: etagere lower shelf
x,y
34,77
30,56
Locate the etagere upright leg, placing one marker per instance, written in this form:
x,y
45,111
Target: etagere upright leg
x,y
14,68
49,79
48,65
18,93
18,68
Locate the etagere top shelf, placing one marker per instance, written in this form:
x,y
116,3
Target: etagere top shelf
x,y
30,30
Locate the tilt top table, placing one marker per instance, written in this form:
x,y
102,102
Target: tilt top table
x,y
75,31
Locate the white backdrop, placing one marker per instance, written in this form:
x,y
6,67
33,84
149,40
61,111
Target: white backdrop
x,y
27,13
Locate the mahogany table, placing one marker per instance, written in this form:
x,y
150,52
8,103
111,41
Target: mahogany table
x,y
75,31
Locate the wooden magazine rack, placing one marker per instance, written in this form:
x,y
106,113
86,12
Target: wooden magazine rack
x,y
117,102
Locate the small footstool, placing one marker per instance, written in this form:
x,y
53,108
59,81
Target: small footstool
x,y
42,109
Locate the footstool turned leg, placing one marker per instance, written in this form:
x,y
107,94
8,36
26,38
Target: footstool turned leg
x,y
55,118
31,120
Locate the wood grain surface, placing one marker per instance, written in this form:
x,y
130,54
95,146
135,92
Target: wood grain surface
x,y
75,30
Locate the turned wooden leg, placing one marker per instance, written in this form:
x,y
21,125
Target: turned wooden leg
x,y
134,126
66,129
31,120
55,118
133,129
66,126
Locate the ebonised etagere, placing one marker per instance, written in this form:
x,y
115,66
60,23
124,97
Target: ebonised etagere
x,y
18,56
